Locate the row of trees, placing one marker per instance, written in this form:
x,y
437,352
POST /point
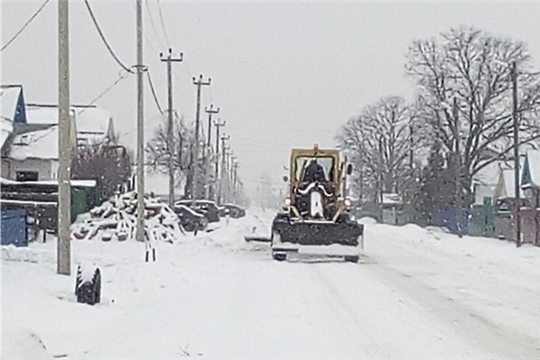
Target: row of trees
x,y
459,122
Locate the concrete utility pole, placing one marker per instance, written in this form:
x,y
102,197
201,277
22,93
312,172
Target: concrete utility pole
x,y
170,127
194,184
210,111
235,179
64,143
223,183
218,124
516,152
458,168
230,158
140,126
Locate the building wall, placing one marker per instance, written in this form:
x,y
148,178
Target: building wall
x,y
46,168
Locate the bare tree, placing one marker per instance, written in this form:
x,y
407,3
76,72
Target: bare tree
x,y
380,139
106,162
473,67
157,156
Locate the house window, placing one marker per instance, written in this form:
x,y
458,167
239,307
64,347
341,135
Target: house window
x,y
27,175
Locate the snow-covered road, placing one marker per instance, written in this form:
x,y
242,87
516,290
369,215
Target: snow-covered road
x,y
417,294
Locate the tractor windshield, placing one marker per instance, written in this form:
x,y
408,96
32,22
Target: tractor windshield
x,y
303,163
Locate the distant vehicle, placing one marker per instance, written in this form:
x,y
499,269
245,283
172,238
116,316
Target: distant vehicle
x,y
208,208
190,219
233,210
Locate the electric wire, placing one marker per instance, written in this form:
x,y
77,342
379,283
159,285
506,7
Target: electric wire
x,y
152,23
154,92
105,40
24,26
123,76
163,22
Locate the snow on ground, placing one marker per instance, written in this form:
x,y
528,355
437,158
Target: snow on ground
x,y
419,293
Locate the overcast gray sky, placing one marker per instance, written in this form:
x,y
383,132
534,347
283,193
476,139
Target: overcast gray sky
x,y
284,74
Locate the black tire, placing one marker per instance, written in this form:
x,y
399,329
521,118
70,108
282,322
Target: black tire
x,y
352,258
279,256
90,294
97,286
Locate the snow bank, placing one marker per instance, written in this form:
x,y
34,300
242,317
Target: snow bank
x,y
25,254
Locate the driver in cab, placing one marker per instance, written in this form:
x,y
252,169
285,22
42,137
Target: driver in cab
x,y
314,172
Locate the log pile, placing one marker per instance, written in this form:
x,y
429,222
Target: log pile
x,y
116,219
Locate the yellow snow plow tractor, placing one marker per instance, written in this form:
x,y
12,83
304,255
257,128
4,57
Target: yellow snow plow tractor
x,y
316,214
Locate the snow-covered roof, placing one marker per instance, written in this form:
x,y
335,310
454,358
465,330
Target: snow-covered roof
x,y
40,144
36,114
531,171
489,175
505,188
92,123
9,98
92,120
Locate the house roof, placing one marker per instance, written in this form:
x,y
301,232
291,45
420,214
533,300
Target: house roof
x,y
91,121
531,170
9,99
506,188
40,144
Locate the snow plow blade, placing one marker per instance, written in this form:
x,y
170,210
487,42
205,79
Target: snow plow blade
x,y
257,238
318,232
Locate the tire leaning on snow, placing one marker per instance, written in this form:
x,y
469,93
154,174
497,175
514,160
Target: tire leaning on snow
x,y
88,291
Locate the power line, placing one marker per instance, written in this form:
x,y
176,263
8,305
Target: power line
x,y
154,92
104,39
25,25
146,122
152,23
163,22
122,77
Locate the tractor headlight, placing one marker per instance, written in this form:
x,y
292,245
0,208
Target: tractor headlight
x,y
286,204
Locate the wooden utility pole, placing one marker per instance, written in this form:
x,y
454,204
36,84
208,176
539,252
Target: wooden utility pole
x,y
140,126
517,217
170,127
194,184
458,168
218,124
208,151
64,143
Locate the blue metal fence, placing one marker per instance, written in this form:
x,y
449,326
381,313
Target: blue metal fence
x,y
14,230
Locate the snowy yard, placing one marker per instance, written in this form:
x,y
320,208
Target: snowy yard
x,y
418,293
